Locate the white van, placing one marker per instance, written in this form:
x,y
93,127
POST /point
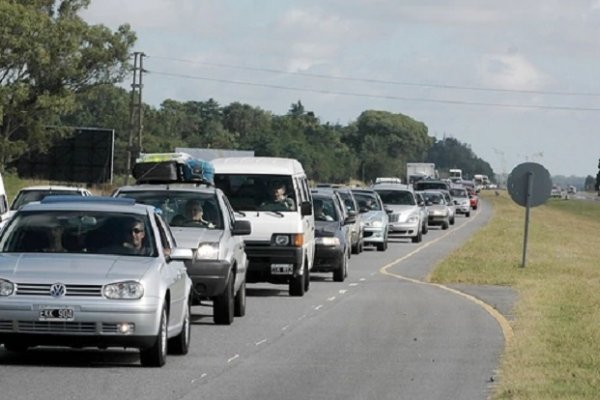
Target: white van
x,y
273,194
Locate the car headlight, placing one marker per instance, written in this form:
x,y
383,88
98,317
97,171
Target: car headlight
x,y
284,239
6,288
377,224
328,241
207,251
129,290
413,219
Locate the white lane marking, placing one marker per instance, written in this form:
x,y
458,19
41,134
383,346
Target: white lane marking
x,y
342,291
260,342
233,358
362,279
332,298
353,284
302,317
505,326
318,307
201,377
285,327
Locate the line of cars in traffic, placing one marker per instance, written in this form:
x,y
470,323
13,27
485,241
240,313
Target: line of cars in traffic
x,y
125,270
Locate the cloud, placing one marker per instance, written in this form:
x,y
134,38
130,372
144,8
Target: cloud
x,y
511,71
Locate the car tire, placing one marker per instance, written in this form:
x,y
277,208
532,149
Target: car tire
x,y
452,221
418,238
223,305
306,278
425,229
340,273
468,214
297,285
180,344
445,225
240,301
156,355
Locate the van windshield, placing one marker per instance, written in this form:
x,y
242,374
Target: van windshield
x,y
258,192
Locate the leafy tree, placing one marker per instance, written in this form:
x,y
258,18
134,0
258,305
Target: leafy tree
x,y
451,153
49,54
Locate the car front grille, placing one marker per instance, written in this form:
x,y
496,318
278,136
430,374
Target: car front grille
x,y
56,327
5,326
43,289
394,217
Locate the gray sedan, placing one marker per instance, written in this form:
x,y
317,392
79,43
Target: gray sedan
x,y
91,271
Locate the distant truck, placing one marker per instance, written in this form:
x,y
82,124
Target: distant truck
x,y
419,171
455,174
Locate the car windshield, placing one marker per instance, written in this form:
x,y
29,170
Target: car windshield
x,y
434,198
182,209
429,185
397,197
28,196
92,232
348,201
458,192
257,192
325,209
367,200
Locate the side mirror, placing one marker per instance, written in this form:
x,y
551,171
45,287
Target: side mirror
x,y
180,254
350,220
241,227
389,210
364,209
352,213
421,203
306,208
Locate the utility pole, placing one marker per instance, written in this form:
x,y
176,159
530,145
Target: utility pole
x,y
136,112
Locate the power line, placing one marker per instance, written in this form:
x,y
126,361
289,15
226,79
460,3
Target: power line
x,y
367,95
398,83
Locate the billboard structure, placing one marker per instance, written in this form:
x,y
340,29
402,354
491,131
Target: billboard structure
x,y
86,156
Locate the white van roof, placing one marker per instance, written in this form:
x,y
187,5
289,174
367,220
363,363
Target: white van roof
x,y
257,165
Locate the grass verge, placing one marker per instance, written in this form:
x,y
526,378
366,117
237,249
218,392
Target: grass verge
x,y
555,352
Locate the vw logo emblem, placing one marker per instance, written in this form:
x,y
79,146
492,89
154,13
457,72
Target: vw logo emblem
x,y
58,290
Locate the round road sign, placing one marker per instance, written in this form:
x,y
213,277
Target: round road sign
x,y
529,181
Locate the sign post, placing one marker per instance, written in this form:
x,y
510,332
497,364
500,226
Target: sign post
x,y
529,185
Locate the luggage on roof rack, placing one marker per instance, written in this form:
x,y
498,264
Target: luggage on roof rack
x,y
172,167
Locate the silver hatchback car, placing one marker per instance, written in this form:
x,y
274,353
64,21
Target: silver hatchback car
x,y
93,271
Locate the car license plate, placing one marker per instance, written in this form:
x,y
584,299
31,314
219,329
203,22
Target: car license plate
x,y
60,313
282,269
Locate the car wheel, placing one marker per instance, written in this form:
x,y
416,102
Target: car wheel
x,y
180,344
425,228
156,355
297,285
468,214
306,278
445,225
418,238
340,273
240,301
452,221
223,305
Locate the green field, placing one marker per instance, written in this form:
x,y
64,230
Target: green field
x,y
555,351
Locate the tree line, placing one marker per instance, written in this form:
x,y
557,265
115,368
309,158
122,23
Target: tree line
x,y
57,70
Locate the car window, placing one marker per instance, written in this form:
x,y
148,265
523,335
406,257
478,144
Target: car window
x,y
458,192
93,232
258,192
29,196
396,197
192,209
368,200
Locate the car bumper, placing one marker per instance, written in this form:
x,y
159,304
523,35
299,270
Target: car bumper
x,y
463,209
209,277
437,219
327,258
93,324
404,230
262,258
374,235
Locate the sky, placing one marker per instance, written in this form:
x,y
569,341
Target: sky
x,y
516,80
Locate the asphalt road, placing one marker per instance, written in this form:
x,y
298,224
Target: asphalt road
x,y
381,334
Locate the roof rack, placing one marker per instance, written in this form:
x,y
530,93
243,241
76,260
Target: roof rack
x,y
171,168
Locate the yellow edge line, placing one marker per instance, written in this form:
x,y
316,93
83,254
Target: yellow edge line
x,y
502,321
